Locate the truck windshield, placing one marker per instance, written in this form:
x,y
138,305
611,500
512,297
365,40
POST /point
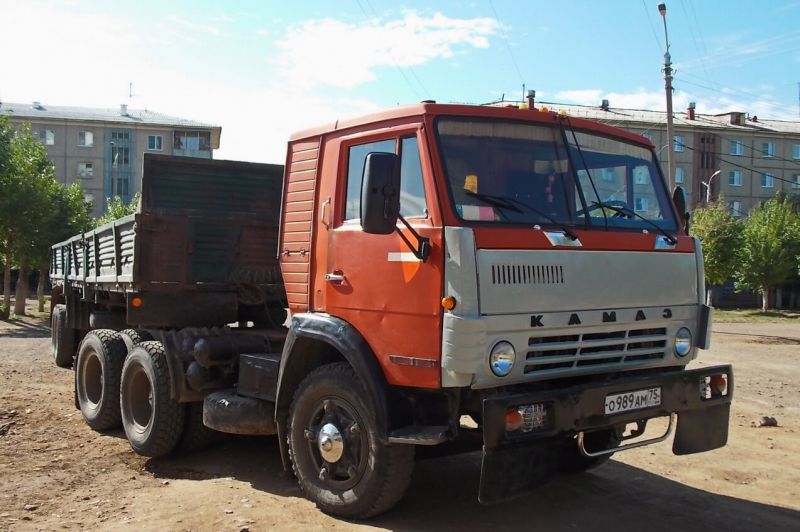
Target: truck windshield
x,y
508,172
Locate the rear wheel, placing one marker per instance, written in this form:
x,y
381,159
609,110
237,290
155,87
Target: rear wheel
x,y
335,449
573,461
131,337
152,420
63,339
97,376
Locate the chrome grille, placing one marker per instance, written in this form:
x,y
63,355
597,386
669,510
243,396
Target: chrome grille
x,y
613,348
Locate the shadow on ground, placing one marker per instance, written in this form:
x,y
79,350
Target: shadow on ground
x,y
20,329
443,496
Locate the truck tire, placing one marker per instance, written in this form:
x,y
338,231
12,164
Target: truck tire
x,y
571,459
97,375
63,338
196,435
132,337
152,420
335,449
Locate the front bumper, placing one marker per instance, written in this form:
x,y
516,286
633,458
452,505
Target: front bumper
x,y
514,463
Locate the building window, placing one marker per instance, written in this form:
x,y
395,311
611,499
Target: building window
x,y
607,175
155,142
88,198
767,181
640,204
85,170
85,139
678,174
679,142
796,181
735,208
641,176
768,149
192,140
735,178
47,136
736,148
796,151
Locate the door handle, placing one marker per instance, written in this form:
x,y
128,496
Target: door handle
x,y
334,277
324,213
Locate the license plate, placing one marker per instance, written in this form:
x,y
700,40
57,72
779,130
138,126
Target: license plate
x,y
623,402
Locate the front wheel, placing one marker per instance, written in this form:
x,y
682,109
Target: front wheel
x,y
335,449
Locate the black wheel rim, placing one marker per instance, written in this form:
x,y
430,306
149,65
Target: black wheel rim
x,y
92,379
336,470
139,398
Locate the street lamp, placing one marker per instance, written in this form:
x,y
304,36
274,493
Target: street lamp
x,y
707,184
662,9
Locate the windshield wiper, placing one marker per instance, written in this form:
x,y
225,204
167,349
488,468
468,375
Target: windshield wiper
x,y
514,205
630,213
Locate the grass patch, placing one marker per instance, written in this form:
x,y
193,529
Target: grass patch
x,y
755,316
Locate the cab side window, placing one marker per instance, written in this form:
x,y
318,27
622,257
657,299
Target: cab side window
x,y
356,158
412,191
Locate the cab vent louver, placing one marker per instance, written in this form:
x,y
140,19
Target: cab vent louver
x,y
509,274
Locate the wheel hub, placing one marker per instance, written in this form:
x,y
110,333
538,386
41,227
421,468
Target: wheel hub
x,y
330,443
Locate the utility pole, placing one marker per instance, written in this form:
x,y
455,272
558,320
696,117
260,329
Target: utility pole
x,y
662,9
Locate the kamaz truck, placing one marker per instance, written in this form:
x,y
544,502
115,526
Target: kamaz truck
x,y
504,279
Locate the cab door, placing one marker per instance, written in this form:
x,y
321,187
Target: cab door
x,y
375,282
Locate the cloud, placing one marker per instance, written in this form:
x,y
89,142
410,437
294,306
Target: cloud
x,y
199,28
341,54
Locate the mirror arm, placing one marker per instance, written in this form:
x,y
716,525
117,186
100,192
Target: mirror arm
x,y
423,248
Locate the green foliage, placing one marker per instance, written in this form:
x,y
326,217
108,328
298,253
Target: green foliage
x,y
118,209
721,235
771,245
35,210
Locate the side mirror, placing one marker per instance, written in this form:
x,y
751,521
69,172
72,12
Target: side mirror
x,y
679,200
380,193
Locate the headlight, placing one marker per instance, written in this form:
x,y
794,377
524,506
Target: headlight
x,y
683,342
501,359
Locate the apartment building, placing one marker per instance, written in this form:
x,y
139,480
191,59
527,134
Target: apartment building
x,y
745,159
104,148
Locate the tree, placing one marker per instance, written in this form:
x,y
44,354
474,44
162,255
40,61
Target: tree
x,y
35,210
721,235
117,208
771,245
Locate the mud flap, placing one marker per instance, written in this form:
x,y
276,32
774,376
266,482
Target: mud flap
x,y
514,470
702,429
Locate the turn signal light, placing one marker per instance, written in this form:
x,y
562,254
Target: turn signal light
x,y
718,385
513,420
449,303
136,302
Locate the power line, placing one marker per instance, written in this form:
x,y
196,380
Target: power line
x,y
505,40
391,55
652,27
763,174
728,92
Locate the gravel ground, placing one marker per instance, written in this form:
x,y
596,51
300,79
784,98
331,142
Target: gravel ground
x,y
56,473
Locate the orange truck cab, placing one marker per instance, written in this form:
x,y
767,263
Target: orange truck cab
x,y
527,269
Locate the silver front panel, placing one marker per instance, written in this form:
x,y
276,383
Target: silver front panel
x,y
513,281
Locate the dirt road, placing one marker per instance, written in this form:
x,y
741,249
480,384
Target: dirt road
x,y
69,477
